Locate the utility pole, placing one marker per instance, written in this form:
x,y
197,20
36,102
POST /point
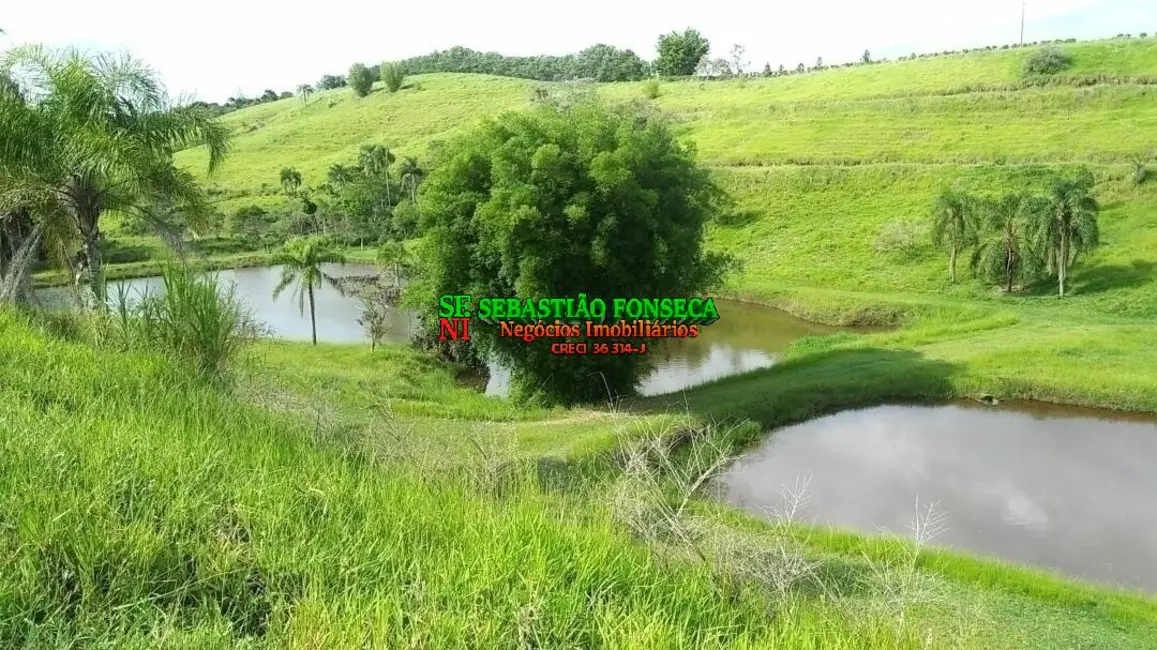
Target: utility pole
x,y
1022,8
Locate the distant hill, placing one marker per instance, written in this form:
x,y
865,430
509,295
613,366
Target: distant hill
x,y
821,164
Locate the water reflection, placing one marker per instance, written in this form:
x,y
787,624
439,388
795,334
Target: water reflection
x,y
746,337
1035,485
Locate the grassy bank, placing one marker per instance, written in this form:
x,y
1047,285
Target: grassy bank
x,y
157,259
144,509
312,506
1015,607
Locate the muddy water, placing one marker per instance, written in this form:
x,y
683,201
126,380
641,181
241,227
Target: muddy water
x,y
746,337
1070,490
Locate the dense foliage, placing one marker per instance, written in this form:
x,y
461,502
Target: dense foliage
x,y
1049,60
679,54
599,62
360,79
391,76
331,81
82,136
555,202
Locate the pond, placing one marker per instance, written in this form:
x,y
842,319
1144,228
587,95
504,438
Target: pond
x,y
1065,489
746,337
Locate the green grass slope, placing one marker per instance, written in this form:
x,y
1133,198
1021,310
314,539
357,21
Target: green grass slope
x,y
140,508
894,111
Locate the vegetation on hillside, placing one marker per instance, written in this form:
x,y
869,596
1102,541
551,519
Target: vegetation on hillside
x,y
598,62
170,494
1019,235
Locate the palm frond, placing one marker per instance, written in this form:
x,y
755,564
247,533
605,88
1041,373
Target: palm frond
x,y
287,278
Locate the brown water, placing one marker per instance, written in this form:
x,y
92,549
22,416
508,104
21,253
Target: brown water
x,y
1071,490
746,337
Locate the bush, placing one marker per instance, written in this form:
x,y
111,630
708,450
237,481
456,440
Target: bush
x,y
404,220
361,80
555,202
901,238
1049,60
651,89
193,319
392,76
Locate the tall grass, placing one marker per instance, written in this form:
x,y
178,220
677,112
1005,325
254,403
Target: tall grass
x,y
141,510
194,318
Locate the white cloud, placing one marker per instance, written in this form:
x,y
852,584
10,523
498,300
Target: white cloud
x,y
221,47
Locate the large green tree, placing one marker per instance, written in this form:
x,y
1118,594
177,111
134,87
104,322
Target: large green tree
x,y
1070,226
554,202
679,53
301,260
954,224
97,136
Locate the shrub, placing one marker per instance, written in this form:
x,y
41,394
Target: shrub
x,y
404,219
901,238
651,89
1140,164
193,319
361,80
392,76
1049,60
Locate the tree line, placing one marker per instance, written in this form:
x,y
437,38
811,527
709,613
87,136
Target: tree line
x,y
371,199
1020,237
678,54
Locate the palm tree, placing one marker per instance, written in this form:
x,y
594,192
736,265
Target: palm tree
x,y
375,161
953,225
304,91
1002,254
1069,227
393,255
98,136
302,259
290,180
340,174
412,174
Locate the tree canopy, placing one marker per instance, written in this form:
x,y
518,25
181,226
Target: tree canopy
x,y
555,202
598,62
361,80
93,135
680,53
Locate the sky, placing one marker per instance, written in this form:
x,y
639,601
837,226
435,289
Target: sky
x,y
215,49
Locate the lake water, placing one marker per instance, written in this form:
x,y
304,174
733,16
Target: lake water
x,y
746,337
1067,489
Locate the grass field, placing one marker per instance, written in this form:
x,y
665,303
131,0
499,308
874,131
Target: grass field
x,y
303,508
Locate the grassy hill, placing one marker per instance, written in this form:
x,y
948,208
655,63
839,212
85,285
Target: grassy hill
x,y
819,163
950,109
